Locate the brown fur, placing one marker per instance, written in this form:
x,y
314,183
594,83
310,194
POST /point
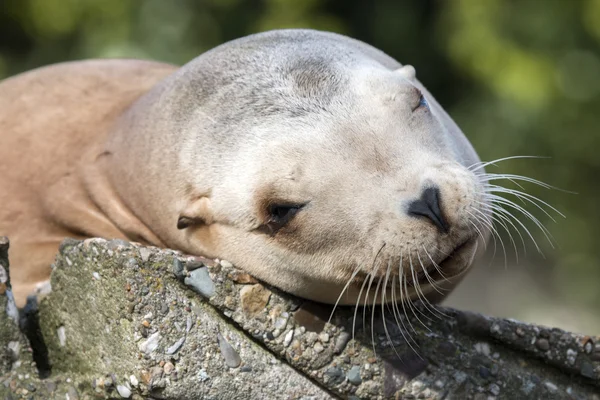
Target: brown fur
x,y
53,121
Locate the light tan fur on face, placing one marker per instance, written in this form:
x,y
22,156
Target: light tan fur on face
x,y
134,150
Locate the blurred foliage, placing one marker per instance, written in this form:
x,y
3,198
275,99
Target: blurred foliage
x,y
520,78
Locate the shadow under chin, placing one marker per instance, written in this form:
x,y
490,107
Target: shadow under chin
x,y
395,338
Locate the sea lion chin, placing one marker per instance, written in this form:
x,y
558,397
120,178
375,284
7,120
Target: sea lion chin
x,y
313,161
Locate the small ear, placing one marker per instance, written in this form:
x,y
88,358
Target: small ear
x,y
197,212
408,72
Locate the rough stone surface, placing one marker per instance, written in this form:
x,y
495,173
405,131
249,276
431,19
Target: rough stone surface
x,y
120,335
109,348
13,345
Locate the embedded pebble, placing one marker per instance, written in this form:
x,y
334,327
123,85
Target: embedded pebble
x,y
552,388
589,346
115,244
168,368
354,375
483,348
226,264
124,391
527,387
280,323
484,372
134,381
542,344
232,358
460,377
156,373
202,375
254,298
587,370
335,374
164,309
145,254
15,349
288,338
178,269
324,337
62,336
200,281
318,348
3,274
72,394
96,276
194,263
341,341
149,345
494,389
571,356
173,349
495,328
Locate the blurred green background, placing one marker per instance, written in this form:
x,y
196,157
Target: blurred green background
x,y
520,78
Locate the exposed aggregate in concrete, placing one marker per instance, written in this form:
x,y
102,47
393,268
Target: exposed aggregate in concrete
x,y
125,321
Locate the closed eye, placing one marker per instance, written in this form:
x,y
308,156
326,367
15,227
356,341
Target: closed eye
x,y
278,215
422,103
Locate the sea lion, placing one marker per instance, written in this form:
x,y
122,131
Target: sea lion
x,y
314,161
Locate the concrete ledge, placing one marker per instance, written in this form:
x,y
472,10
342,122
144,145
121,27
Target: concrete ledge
x,y
126,321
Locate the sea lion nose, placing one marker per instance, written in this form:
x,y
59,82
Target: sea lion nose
x,y
428,206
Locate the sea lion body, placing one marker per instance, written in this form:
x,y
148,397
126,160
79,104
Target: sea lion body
x,y
304,157
53,120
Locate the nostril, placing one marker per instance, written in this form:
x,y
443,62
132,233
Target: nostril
x,y
428,206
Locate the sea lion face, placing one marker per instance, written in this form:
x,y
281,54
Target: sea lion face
x,y
370,193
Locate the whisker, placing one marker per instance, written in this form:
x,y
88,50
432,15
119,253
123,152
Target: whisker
x,y
399,320
368,299
495,234
437,267
433,310
528,198
412,309
427,276
480,165
357,305
417,288
367,293
501,200
480,233
489,177
485,221
404,298
373,307
498,216
356,271
384,304
508,214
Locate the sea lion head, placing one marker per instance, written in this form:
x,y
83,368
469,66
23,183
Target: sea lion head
x,y
319,165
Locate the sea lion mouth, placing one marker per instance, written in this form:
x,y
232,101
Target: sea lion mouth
x,y
453,264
